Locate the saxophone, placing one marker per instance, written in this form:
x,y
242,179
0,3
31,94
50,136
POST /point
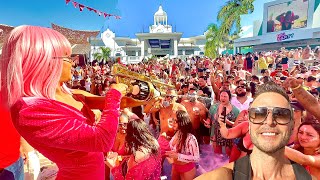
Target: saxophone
x,y
141,88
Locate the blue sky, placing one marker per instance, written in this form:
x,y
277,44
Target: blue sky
x,y
187,16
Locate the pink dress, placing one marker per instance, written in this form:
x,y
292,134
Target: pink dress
x,y
62,134
149,169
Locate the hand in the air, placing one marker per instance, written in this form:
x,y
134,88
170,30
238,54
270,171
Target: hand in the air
x,y
122,88
292,82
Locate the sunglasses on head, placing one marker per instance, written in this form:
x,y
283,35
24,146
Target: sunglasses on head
x,y
258,115
170,96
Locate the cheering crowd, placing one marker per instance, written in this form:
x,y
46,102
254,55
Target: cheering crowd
x,y
260,109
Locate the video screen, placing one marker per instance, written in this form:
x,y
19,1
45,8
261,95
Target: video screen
x,y
289,15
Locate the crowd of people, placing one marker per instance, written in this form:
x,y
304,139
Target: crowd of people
x,y
260,109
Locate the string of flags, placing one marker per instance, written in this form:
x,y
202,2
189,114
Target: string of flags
x,y
82,7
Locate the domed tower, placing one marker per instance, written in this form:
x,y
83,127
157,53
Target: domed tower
x,y
160,17
160,24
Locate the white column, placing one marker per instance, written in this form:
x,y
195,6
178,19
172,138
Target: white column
x,y
137,53
142,48
154,20
166,20
184,52
175,46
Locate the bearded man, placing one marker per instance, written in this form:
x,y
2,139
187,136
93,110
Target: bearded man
x,y
241,101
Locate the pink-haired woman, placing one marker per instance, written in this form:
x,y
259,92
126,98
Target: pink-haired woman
x,y
35,63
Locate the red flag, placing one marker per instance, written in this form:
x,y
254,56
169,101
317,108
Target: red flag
x,y
105,15
81,7
94,10
89,8
75,4
67,1
117,17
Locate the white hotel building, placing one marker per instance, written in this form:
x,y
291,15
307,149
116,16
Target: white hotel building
x,y
161,41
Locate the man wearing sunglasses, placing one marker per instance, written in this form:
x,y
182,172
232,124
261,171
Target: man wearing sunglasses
x,y
241,101
270,127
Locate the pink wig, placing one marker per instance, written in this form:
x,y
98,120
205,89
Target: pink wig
x,y
28,67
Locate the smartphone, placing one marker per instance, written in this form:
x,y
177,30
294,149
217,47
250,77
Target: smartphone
x,y
224,114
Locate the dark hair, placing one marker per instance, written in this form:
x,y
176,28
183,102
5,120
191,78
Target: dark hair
x,y
82,82
254,77
316,126
138,135
266,79
311,78
253,87
184,128
271,87
264,71
228,92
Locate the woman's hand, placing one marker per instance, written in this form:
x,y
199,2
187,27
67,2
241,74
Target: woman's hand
x,y
111,159
207,123
122,88
172,154
221,121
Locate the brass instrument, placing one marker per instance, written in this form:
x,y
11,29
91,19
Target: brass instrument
x,y
141,88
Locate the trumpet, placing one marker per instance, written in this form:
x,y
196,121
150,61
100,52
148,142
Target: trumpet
x,y
141,88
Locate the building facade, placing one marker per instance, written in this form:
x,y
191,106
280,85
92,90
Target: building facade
x,y
286,23
161,41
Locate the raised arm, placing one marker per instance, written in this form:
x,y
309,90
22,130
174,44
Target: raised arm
x,y
307,100
303,159
234,132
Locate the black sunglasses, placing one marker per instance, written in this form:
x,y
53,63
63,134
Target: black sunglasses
x,y
258,115
241,87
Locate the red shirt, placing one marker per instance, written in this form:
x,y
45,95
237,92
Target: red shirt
x,y
274,73
10,140
62,134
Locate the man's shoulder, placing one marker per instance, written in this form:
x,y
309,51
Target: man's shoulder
x,y
226,172
179,106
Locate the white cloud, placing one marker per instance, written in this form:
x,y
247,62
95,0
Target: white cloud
x,y
246,28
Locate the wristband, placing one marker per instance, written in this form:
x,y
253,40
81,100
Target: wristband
x,y
296,87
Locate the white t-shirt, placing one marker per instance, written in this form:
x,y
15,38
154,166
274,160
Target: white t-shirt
x,y
241,107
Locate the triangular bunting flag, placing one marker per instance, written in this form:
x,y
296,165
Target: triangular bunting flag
x,y
75,4
105,15
81,7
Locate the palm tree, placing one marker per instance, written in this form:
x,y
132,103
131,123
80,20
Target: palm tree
x,y
213,41
229,15
103,55
216,41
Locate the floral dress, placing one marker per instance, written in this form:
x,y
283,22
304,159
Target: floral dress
x,y
215,128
